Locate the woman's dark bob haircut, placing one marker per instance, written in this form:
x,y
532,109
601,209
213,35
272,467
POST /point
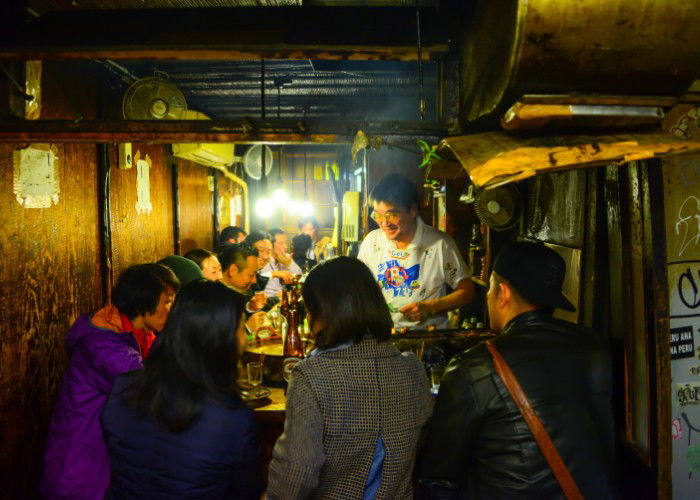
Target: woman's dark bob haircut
x,y
342,294
196,356
138,289
199,255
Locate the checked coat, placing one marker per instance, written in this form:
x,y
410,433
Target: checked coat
x,y
339,404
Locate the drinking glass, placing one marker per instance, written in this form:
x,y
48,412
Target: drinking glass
x,y
435,377
255,375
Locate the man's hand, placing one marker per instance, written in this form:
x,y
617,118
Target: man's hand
x,y
417,311
284,276
283,258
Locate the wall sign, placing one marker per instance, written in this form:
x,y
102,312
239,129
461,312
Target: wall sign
x,y
35,176
688,393
143,186
682,342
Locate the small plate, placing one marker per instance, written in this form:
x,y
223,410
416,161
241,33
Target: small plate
x,y
255,395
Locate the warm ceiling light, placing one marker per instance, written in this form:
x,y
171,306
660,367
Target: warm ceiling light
x,y
280,197
292,207
264,208
306,209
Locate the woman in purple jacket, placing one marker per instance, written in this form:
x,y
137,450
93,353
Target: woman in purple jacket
x,y
101,347
177,428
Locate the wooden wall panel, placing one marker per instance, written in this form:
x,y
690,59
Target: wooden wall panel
x,y
196,221
141,237
49,275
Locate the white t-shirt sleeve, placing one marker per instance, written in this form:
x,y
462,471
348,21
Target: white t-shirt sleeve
x,y
454,267
365,249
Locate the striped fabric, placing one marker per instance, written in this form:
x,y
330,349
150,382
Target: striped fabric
x,y
338,405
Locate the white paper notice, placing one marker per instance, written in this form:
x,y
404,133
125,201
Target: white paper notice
x,y
35,178
143,188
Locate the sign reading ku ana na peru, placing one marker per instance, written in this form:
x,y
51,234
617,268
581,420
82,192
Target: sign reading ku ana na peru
x,y
682,343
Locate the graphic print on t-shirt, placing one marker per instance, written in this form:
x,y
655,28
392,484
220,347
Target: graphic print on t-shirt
x,y
392,276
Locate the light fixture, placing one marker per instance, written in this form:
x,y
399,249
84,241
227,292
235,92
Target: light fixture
x,y
264,208
306,209
280,197
292,207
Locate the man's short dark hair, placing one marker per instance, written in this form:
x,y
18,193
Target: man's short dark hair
x,y
256,236
349,312
236,254
230,233
139,288
396,189
274,232
305,220
301,244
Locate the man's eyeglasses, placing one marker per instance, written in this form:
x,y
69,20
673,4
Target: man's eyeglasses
x,y
390,216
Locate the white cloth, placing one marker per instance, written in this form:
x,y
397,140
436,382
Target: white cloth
x,y
274,285
416,273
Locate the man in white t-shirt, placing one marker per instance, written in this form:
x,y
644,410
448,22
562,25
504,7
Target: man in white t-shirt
x,y
413,262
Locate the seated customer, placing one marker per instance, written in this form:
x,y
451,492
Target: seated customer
x,y
207,261
101,347
356,405
262,242
178,428
301,244
185,269
239,265
280,260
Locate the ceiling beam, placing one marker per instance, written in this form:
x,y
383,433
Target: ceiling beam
x,y
362,33
208,131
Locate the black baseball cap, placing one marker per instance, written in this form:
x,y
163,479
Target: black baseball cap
x,y
535,271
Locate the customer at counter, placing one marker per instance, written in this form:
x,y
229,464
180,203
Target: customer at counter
x,y
207,261
100,347
178,428
478,444
413,262
262,242
280,260
301,245
231,235
310,226
355,405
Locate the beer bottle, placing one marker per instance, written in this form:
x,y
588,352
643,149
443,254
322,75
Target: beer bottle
x,y
284,305
293,347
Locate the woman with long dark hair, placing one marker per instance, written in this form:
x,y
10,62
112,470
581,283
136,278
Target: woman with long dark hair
x,y
178,428
356,405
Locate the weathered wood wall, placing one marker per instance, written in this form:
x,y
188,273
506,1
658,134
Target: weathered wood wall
x,y
51,259
49,274
196,222
142,237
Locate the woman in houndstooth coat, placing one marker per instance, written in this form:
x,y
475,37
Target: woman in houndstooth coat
x,y
356,405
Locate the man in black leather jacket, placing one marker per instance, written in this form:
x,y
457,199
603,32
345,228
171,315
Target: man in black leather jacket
x,y
477,443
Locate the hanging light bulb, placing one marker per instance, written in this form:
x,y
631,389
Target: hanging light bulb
x,y
264,208
280,197
292,207
306,209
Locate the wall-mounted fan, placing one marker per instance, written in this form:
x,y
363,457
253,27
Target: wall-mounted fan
x,y
252,161
499,208
153,98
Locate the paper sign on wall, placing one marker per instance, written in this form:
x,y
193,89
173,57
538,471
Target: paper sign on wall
x,y
35,176
143,187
